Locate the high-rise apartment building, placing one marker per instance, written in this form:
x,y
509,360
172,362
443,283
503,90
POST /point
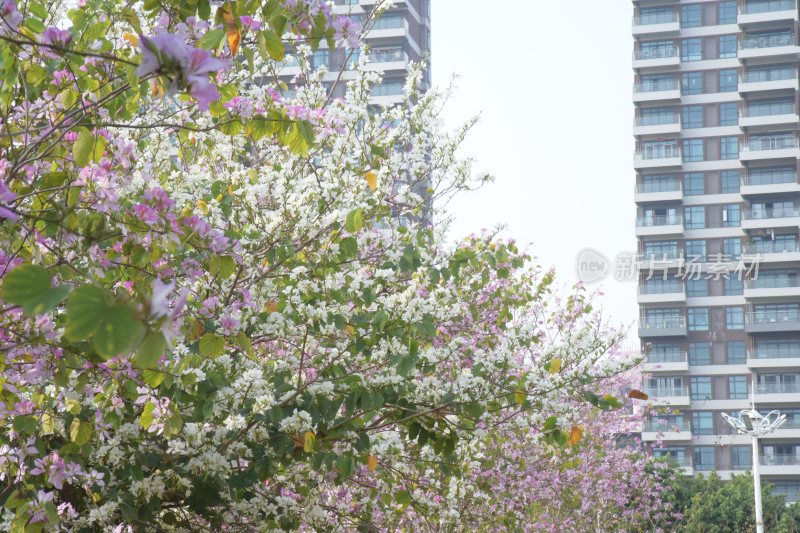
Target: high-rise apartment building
x,y
717,195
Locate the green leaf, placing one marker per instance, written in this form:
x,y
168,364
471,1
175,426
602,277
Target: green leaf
x,y
150,351
80,432
354,221
212,345
83,148
29,287
118,331
173,426
35,25
245,344
153,377
86,308
26,424
270,45
146,418
99,148
38,10
212,39
402,497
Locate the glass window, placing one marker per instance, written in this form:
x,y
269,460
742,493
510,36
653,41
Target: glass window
x,y
695,250
698,318
694,184
691,49
742,457
728,81
702,423
737,387
691,16
729,148
699,353
728,114
733,286
730,180
727,12
661,250
692,83
693,150
789,489
695,217
696,287
700,387
704,458
731,216
692,116
736,354
732,248
727,46
734,318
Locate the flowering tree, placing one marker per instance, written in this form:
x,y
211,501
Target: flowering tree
x,y
226,309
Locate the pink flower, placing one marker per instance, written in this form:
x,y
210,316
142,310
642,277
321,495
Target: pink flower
x,y
347,31
229,325
55,37
249,24
11,18
241,106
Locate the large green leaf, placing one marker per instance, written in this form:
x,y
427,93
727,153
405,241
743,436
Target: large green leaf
x,y
151,349
29,287
212,39
86,308
118,331
270,45
83,148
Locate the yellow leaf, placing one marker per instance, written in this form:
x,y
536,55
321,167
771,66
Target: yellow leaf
x,y
271,307
372,463
131,38
519,396
202,206
234,38
309,440
350,330
575,435
555,366
372,180
227,13
156,89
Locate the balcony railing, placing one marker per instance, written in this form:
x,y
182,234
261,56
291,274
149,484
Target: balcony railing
x,y
667,392
771,247
684,461
765,214
388,56
663,322
771,143
668,357
658,86
767,41
772,282
777,388
667,255
668,151
656,53
663,288
779,352
774,317
772,178
667,425
657,120
656,18
779,460
667,220
783,108
389,23
751,8
658,186
776,74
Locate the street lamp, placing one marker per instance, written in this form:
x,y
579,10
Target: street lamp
x,y
751,422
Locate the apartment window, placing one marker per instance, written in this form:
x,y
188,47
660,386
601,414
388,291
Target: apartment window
x,y
730,181
789,489
692,83
727,12
661,249
656,116
700,387
778,348
691,16
742,457
655,15
693,150
729,148
694,184
768,176
732,248
692,49
704,458
737,387
731,216
702,423
695,217
728,114
695,250
696,287
727,46
698,319
657,82
735,352
692,116
699,353
733,286
728,81
734,318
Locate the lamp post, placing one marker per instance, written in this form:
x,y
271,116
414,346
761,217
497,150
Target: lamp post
x,y
750,422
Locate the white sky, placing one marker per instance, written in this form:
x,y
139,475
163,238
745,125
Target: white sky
x,y
552,83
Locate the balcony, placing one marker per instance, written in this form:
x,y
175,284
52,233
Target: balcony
x,y
662,191
672,396
657,58
657,125
389,60
777,392
666,362
666,293
661,430
771,183
684,463
789,430
659,225
764,148
672,326
778,115
660,260
771,252
772,322
771,287
388,27
781,46
780,465
653,92
764,13
661,24
770,218
773,358
760,81
658,157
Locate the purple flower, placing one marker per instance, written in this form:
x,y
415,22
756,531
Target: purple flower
x,y
347,31
229,325
249,24
55,37
240,106
11,18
